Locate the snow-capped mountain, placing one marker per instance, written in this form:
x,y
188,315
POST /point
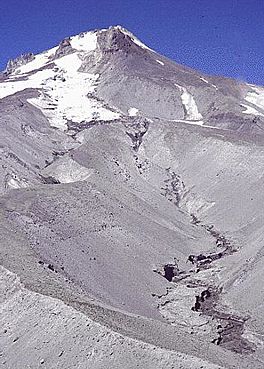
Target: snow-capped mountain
x,y
131,217
97,76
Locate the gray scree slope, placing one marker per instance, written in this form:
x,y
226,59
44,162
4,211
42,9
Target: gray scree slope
x,y
131,211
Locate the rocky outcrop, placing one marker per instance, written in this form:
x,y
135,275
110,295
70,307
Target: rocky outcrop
x,y
14,64
64,48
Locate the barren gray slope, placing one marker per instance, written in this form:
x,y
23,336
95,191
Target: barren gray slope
x,y
69,339
111,201
133,77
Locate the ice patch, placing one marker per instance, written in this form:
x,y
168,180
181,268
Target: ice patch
x,y
194,122
191,109
256,97
39,61
67,170
132,112
64,97
250,110
11,87
65,93
14,182
160,62
204,80
199,123
69,94
84,42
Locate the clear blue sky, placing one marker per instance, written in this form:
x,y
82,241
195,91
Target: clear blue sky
x,y
223,37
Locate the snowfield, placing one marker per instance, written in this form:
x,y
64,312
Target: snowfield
x,y
251,110
84,42
63,89
64,96
256,97
133,112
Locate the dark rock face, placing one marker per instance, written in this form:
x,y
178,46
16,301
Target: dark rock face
x,y
64,48
117,39
169,271
137,128
230,328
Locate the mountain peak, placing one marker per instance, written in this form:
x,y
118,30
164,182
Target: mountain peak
x,y
119,27
112,39
128,33
104,64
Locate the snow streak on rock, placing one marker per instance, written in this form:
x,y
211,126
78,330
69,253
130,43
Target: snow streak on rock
x,y
204,80
190,107
255,97
251,110
132,112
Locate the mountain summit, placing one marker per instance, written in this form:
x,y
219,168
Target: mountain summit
x,y
115,67
131,218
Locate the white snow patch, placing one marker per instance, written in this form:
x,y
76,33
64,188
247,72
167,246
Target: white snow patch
x,y
69,94
39,61
256,97
192,112
14,182
250,110
64,93
69,63
132,112
11,87
204,80
64,90
84,42
64,96
198,123
160,62
67,170
194,122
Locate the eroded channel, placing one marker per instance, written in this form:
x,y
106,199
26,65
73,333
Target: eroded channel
x,y
194,297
